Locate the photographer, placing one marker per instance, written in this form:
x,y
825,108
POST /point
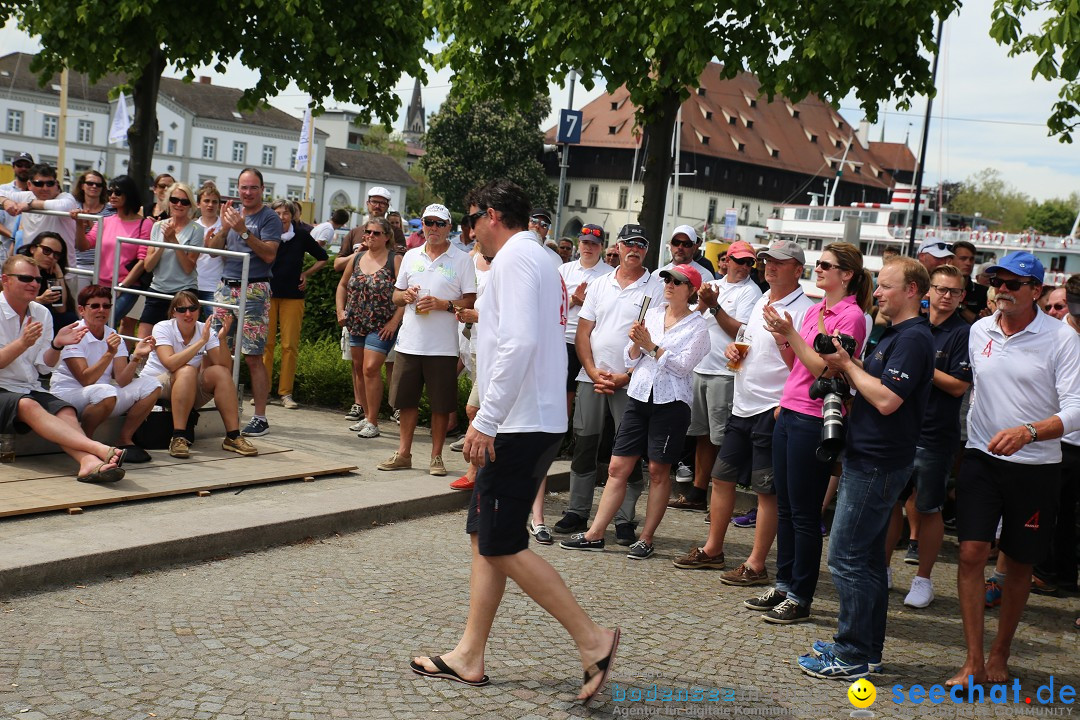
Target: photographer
x,y
799,477
892,392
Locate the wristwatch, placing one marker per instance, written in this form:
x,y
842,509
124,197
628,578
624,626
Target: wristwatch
x,y
652,353
1034,433
245,235
450,306
714,310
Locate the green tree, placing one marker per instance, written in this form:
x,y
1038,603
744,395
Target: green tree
x,y
1056,44
659,48
468,144
325,46
987,193
1053,217
420,195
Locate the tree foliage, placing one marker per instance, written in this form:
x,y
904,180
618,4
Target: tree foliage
x,y
658,49
989,194
468,144
326,46
1056,45
1054,216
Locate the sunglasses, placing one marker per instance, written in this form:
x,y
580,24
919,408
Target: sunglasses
x,y
116,191
942,290
43,183
162,186
473,217
1014,285
668,280
186,309
22,166
597,232
612,255
540,223
91,183
24,278
939,246
826,265
435,223
374,232
1057,306
48,251
682,243
180,201
100,306
635,243
745,262
378,201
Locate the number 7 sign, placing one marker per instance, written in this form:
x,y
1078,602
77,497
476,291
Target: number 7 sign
x,y
569,127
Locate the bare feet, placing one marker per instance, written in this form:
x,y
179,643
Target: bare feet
x,y
598,668
997,668
471,673
964,676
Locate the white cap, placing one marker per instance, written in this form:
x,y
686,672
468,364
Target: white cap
x,y
687,231
379,191
936,248
436,211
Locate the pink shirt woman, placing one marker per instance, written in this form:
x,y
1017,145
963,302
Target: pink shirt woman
x,y
844,317
113,228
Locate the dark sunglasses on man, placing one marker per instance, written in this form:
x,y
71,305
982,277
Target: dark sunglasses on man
x,y
1013,285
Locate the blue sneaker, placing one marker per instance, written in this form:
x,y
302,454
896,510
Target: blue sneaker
x,y
748,520
820,647
256,427
829,667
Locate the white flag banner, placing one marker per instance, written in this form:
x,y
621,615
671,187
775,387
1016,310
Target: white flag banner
x,y
121,122
304,148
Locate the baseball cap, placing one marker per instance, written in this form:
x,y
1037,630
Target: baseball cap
x,y
740,249
1019,263
436,210
785,250
379,191
936,248
541,212
686,273
23,156
687,231
591,234
631,230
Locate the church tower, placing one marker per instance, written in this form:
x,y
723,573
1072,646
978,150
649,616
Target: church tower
x,y
415,126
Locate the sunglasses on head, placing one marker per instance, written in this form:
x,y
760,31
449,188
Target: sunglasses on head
x,y
595,232
180,201
24,278
683,243
43,183
100,306
747,262
180,309
48,251
540,223
668,280
939,246
92,183
435,223
826,265
1014,285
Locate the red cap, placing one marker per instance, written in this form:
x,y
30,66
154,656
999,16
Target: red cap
x,y
686,273
741,249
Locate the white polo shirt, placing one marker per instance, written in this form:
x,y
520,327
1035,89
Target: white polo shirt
x,y
520,359
167,333
21,374
90,349
448,277
737,300
1072,438
573,274
1023,379
760,381
614,309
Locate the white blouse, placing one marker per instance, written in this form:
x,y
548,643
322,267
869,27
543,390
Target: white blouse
x,y
670,378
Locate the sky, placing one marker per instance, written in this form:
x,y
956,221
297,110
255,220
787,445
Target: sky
x,y
989,113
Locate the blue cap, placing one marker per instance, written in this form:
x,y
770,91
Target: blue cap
x,y
1019,263
415,223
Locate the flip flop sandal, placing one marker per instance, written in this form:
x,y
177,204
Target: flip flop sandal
x,y
99,476
604,666
117,454
446,672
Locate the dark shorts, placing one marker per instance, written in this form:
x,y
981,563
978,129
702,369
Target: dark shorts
x,y
9,408
746,455
412,373
930,478
154,310
573,367
505,489
1023,497
653,431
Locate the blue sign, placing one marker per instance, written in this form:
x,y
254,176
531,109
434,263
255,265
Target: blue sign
x,y
569,127
731,220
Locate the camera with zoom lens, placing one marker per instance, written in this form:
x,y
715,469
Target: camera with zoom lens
x,y
823,344
832,391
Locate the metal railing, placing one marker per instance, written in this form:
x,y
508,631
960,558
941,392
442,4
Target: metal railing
x,y
240,306
99,219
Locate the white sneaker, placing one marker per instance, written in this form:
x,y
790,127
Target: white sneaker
x,y
684,474
458,445
921,593
368,431
357,427
888,578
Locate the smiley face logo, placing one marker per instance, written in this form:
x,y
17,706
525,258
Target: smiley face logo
x,y
862,693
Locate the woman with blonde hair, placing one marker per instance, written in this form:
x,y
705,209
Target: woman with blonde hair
x,y
174,270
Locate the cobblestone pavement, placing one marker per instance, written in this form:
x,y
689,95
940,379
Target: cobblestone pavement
x,y
325,629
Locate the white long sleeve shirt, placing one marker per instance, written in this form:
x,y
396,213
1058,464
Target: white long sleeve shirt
x,y
520,354
670,377
1023,378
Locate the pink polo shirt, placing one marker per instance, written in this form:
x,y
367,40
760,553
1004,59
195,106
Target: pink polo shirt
x,y
846,317
113,228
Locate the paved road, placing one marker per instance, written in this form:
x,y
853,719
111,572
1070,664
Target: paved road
x,y
324,629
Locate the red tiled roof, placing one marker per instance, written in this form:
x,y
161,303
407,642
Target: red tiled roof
x,y
894,156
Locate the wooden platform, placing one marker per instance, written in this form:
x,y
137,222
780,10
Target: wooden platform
x,y
47,482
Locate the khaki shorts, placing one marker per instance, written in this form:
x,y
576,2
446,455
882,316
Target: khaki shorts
x,y
201,396
713,395
412,373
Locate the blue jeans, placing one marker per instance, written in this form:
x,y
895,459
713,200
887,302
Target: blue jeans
x,y
800,480
204,297
124,303
864,504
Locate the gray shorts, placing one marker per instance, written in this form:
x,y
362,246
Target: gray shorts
x,y
713,395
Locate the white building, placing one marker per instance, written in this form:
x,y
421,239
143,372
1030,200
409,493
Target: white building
x,y
202,136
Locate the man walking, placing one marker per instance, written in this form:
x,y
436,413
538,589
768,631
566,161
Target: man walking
x,y
255,229
514,438
892,387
